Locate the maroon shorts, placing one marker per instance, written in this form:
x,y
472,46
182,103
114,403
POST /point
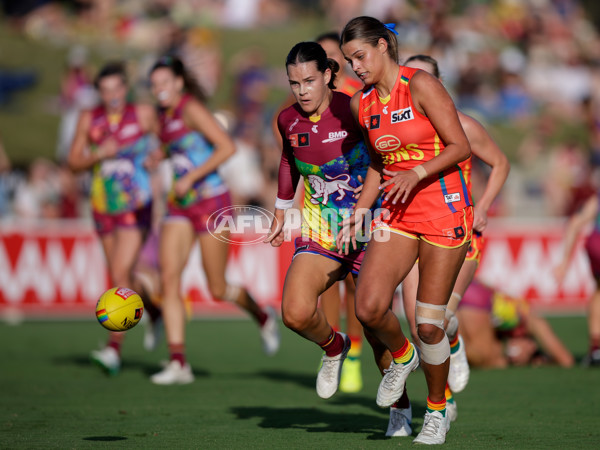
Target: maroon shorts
x,y
199,213
477,296
139,218
350,263
592,247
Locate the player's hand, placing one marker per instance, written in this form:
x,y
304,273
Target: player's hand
x,y
359,188
559,272
153,160
402,182
276,234
108,149
480,220
346,238
182,186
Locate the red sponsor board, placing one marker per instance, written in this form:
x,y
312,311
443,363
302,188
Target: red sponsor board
x,y
58,269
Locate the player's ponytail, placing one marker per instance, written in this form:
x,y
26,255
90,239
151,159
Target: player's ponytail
x,y
176,66
311,51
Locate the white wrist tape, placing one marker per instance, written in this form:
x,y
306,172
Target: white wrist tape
x,y
283,204
420,171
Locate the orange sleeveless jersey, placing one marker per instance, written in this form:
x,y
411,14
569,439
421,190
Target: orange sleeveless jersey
x,y
405,138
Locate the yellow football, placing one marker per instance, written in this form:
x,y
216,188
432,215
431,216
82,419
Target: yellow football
x,y
119,309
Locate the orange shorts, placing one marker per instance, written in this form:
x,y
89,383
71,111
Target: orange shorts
x,y
475,247
451,231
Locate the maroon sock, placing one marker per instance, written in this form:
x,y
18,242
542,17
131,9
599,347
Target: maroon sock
x,y
333,345
403,402
116,345
594,343
177,353
261,317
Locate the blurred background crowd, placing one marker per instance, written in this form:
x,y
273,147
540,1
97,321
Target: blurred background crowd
x,y
528,69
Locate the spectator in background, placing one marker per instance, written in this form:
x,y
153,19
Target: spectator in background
x,y
77,93
4,167
38,197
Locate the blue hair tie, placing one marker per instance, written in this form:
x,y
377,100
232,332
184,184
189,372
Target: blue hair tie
x,y
391,27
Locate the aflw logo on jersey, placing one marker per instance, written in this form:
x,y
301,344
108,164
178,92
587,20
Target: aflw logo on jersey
x,y
299,140
402,115
335,136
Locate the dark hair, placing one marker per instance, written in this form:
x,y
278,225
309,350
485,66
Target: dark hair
x,y
110,69
311,51
330,36
175,65
370,30
426,59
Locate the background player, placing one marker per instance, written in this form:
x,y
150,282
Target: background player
x,y
115,140
589,215
484,148
417,140
196,145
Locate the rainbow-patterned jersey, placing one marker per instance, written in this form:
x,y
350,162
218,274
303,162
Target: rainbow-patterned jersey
x,y
330,154
187,149
405,138
121,183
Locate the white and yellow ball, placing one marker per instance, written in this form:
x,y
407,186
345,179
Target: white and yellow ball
x,y
119,309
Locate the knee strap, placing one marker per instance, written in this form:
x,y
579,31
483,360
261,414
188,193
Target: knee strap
x,y
436,354
431,314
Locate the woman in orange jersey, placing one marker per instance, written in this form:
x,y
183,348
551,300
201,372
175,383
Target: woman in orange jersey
x,y
483,147
416,142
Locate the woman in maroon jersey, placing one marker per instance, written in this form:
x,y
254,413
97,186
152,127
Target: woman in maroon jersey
x,y
115,140
196,146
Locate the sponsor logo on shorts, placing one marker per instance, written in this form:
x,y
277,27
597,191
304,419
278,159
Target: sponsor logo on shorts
x,y
335,136
402,115
387,143
451,198
299,140
454,233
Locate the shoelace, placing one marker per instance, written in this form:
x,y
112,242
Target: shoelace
x,y
431,425
391,375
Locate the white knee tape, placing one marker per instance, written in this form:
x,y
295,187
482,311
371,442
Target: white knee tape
x,y
232,293
436,354
453,304
431,314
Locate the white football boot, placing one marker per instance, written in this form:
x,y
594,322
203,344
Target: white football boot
x,y
400,422
108,359
435,427
174,373
328,378
269,333
458,375
392,384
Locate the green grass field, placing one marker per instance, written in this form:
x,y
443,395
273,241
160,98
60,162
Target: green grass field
x,y
52,397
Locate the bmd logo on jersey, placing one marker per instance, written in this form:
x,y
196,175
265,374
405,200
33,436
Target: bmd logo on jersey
x,y
402,115
299,140
335,136
372,122
387,143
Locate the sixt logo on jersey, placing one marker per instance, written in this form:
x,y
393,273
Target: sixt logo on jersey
x,y
335,136
372,122
299,140
402,115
